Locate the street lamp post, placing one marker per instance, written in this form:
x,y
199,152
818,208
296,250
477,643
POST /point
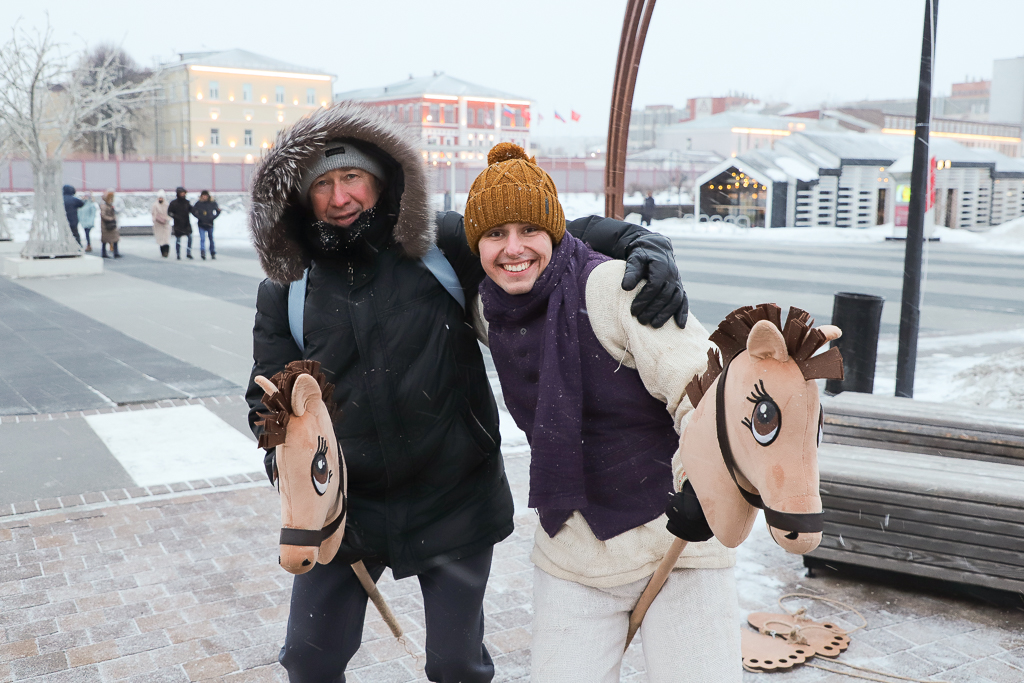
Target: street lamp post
x,y
910,312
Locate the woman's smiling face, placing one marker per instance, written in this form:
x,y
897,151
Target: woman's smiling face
x,y
514,255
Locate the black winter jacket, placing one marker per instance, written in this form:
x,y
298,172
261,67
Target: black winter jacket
x,y
419,425
205,213
179,210
71,206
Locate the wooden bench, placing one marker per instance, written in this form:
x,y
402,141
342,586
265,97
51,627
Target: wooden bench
x,y
924,489
926,515
903,424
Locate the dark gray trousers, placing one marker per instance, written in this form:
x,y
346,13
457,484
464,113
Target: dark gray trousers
x,y
325,624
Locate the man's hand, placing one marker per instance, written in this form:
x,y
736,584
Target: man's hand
x,y
650,258
686,517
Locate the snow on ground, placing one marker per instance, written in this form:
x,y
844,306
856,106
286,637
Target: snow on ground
x,y
1006,237
984,369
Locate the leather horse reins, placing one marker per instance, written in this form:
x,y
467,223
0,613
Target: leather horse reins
x,y
314,537
794,522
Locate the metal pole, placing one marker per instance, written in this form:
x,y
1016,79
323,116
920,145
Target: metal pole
x,y
910,313
631,45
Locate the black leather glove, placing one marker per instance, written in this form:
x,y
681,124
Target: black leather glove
x,y
686,517
270,463
650,257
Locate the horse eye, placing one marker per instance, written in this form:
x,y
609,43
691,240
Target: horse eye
x,y
821,424
318,468
765,421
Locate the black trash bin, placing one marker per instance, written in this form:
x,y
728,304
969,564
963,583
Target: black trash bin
x,y
860,318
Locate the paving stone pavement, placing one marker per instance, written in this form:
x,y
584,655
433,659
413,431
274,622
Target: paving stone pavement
x,y
184,586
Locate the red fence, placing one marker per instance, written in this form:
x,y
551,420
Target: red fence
x,y
570,175
135,176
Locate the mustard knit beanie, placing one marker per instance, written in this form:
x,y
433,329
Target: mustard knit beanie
x,y
512,189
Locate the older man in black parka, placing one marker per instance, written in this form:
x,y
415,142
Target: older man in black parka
x,y
344,194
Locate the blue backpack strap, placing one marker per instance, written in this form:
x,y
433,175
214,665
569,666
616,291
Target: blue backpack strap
x,y
439,266
296,308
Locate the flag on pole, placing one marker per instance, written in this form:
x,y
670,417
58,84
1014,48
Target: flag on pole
x,y
540,118
526,116
508,111
559,116
575,115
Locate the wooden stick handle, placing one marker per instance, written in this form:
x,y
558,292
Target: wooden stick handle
x,y
378,600
636,617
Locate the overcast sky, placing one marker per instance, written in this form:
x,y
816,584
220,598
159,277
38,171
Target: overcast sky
x,y
561,53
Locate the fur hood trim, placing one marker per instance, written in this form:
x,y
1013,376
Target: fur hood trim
x,y
276,180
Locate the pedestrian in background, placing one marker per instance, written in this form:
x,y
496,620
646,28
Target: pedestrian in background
x,y
71,206
205,211
161,223
647,213
87,218
108,222
180,210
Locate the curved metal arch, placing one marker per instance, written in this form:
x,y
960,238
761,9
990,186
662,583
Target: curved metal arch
x,y
631,46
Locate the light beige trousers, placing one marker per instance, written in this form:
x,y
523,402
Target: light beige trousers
x,y
691,633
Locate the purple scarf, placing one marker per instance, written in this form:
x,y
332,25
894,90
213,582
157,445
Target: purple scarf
x,y
556,466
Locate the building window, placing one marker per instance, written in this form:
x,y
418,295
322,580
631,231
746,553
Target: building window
x,y
279,94
435,113
215,136
214,90
471,117
449,114
310,96
247,92
247,138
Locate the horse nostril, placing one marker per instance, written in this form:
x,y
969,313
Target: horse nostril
x,y
305,563
792,535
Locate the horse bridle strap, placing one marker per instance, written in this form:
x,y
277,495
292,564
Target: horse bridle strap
x,y
796,522
314,537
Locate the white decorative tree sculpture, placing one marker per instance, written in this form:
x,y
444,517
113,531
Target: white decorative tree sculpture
x,y
5,143
46,105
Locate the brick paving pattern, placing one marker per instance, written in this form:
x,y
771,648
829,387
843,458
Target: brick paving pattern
x,y
184,586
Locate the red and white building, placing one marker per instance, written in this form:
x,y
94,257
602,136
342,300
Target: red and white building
x,y
453,118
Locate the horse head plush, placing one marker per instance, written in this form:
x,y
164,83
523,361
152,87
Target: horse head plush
x,y
309,470
752,441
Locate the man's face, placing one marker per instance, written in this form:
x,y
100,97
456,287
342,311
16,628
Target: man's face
x,y
339,196
514,255
181,195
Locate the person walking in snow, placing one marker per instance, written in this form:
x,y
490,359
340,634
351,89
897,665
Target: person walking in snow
x,y
87,218
180,211
206,211
602,400
161,223
647,212
341,210
108,222
71,206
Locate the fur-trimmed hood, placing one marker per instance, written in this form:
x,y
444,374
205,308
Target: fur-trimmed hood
x,y
276,211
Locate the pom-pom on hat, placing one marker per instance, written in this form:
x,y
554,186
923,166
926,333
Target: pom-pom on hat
x,y
512,189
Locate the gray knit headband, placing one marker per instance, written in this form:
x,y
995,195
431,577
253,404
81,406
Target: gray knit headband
x,y
339,155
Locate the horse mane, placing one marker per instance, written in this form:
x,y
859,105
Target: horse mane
x,y
275,423
802,341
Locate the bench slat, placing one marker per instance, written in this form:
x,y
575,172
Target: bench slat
x,y
876,512
930,571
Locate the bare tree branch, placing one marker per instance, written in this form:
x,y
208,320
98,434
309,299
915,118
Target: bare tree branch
x,y
46,106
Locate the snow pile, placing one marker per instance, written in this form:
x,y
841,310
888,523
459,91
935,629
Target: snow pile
x,y
997,382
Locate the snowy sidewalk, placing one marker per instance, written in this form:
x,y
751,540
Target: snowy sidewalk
x,y
185,587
